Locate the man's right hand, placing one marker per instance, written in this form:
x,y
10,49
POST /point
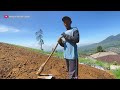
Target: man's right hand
x,y
59,40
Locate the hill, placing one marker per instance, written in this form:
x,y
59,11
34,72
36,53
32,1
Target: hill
x,y
22,63
111,43
110,59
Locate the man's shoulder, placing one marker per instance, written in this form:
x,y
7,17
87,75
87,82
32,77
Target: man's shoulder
x,y
75,29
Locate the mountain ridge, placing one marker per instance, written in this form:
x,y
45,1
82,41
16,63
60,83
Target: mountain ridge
x,y
108,43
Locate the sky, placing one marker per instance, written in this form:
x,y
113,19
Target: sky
x,y
93,26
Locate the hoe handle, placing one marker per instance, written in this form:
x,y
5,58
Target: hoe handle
x,y
42,66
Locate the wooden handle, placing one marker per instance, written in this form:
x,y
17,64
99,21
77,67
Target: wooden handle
x,y
40,69
51,53
42,66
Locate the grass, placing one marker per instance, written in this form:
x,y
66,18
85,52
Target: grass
x,y
116,73
31,49
57,54
86,61
102,64
94,62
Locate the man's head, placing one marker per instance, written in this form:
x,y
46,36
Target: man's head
x,y
67,21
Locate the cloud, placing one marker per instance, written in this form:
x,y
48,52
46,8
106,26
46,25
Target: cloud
x,y
15,30
4,28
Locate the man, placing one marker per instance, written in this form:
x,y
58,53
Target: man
x,y
69,40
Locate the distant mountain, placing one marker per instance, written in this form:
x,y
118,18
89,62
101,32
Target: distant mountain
x,y
111,43
111,38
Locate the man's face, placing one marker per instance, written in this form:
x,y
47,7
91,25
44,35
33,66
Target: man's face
x,y
67,23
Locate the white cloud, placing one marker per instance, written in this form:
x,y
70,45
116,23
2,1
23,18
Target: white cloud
x,y
4,28
16,30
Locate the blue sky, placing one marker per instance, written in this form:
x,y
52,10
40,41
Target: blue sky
x,y
94,26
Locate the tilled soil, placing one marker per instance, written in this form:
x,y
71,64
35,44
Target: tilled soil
x,y
110,58
21,63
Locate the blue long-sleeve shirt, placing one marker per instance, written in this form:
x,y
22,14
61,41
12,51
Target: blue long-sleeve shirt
x,y
70,47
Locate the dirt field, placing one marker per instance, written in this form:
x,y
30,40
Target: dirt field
x,y
20,63
110,58
102,54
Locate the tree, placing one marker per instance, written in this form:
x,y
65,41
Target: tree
x,y
39,36
100,49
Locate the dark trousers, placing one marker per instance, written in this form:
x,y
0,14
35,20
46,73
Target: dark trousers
x,y
72,67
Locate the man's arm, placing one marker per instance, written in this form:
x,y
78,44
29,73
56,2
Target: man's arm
x,y
74,38
61,42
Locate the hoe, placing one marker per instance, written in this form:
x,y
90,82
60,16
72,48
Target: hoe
x,y
46,76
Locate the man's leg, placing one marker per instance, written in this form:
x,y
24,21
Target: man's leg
x,y
76,72
67,63
73,69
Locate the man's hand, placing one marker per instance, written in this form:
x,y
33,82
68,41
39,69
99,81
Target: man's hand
x,y
63,34
60,40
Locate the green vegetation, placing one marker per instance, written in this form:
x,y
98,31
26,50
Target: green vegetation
x,y
58,54
86,61
100,49
105,65
116,73
86,52
31,49
107,44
